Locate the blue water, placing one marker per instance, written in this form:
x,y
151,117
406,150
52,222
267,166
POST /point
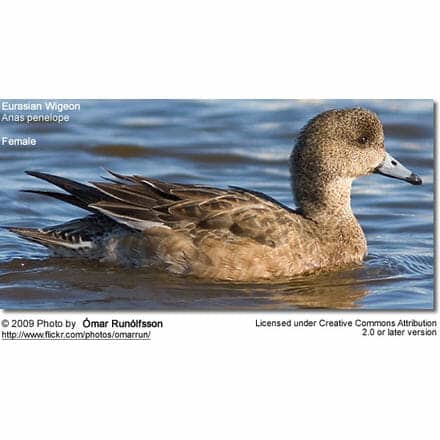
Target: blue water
x,y
218,143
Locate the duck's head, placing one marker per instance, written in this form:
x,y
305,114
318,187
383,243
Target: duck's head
x,y
338,146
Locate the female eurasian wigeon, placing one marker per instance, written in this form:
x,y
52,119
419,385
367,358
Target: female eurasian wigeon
x,y
233,234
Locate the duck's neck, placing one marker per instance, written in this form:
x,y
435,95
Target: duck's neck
x,y
324,198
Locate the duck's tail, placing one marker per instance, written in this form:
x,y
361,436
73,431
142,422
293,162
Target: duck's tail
x,y
48,239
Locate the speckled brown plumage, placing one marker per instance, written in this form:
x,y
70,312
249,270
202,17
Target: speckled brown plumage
x,y
231,234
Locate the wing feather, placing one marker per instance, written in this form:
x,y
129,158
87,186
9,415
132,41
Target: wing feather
x,y
141,203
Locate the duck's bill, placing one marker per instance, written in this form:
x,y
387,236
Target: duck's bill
x,y
392,168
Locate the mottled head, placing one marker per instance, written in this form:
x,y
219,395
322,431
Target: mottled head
x,y
334,148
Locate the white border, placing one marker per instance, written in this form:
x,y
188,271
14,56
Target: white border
x,y
209,375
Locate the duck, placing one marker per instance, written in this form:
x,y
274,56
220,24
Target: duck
x,y
233,234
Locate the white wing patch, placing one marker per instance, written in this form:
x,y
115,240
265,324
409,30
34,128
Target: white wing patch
x,y
140,225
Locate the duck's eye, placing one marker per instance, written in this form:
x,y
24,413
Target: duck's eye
x,y
363,140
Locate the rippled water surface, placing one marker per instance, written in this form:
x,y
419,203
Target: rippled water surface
x,y
219,143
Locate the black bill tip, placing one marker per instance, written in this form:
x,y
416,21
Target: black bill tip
x,y
414,179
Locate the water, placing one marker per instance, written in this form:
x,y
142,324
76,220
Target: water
x,y
218,143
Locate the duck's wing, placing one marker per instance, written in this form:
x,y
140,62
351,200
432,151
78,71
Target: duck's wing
x,y
78,194
142,203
